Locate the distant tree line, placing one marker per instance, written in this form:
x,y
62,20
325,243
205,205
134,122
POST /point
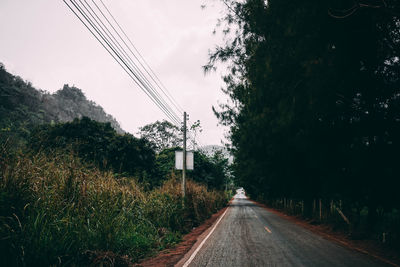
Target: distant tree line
x,y
99,144
316,101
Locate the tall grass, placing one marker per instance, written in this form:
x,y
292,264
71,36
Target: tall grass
x,y
55,210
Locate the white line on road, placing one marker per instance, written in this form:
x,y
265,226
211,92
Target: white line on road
x,y
205,239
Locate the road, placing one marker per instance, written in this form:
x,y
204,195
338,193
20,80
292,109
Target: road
x,y
249,235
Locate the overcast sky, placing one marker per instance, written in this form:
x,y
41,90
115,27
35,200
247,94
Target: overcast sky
x,y
44,43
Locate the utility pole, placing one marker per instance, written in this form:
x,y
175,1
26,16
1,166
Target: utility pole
x,y
184,158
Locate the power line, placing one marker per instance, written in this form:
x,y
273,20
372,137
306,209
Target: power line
x,y
122,39
120,55
161,85
135,69
110,37
142,78
112,51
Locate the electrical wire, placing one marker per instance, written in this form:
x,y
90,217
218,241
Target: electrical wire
x,y
138,60
161,85
117,54
110,37
120,55
136,70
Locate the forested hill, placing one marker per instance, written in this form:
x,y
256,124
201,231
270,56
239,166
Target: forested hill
x,y
23,106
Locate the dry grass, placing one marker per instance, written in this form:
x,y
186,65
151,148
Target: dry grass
x,y
55,210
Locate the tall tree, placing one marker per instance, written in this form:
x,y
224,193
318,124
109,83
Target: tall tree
x,y
162,135
315,91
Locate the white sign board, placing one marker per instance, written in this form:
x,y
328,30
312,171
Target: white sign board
x,y
179,160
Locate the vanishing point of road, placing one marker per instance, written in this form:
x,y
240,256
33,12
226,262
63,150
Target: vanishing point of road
x,y
249,235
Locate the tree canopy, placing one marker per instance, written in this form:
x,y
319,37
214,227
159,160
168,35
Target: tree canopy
x,y
161,134
315,93
98,143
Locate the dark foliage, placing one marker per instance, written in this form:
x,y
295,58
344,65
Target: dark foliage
x,y
315,87
208,170
98,143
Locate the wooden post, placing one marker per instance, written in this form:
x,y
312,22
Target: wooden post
x,y
184,158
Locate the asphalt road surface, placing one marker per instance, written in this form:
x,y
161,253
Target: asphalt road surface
x,y
248,235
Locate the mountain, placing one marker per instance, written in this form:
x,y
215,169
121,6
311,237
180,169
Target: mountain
x,y
22,106
69,103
